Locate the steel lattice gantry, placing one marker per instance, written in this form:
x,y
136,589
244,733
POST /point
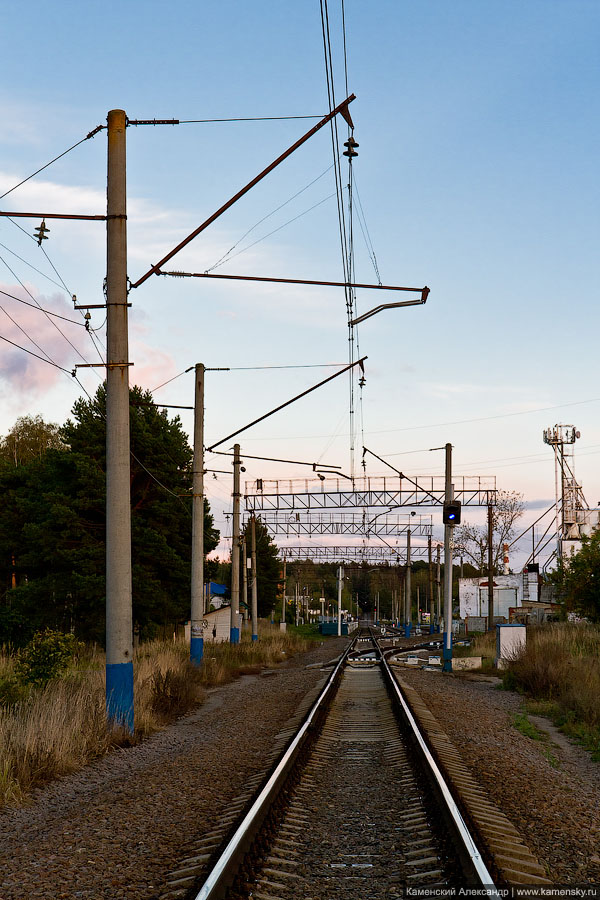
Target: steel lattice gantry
x,y
301,523
379,556
369,492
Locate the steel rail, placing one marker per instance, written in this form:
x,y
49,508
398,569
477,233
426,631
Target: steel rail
x,y
225,869
470,847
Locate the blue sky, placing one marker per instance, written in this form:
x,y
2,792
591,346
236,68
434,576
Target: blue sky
x,y
477,173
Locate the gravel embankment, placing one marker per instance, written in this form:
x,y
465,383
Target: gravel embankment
x,y
117,828
550,790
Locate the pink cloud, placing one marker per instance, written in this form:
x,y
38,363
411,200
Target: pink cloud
x,y
150,366
24,372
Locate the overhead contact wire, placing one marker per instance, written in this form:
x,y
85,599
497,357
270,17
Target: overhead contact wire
x,y
52,161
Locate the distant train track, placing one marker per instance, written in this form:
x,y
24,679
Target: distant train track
x,y
356,806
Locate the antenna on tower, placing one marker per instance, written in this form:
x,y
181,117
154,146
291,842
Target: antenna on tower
x,y
572,510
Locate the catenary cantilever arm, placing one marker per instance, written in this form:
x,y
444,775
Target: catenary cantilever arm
x,y
341,108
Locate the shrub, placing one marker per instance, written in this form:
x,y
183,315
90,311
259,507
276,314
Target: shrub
x,y
46,655
174,691
11,691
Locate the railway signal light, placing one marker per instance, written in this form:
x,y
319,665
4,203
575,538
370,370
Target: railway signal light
x,y
451,514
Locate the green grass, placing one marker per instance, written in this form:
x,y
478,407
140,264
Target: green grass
x,y
523,724
551,758
309,632
526,727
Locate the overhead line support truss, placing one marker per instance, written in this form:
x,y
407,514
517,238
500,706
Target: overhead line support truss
x,y
369,555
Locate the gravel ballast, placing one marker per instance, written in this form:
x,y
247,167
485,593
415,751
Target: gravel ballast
x,y
116,829
549,789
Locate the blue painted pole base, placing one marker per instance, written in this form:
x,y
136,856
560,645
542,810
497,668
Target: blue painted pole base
x,y
407,627
447,653
196,651
432,628
254,637
234,635
119,694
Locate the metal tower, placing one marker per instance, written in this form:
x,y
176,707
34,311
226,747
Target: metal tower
x,y
572,510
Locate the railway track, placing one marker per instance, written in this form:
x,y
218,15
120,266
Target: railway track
x,y
356,808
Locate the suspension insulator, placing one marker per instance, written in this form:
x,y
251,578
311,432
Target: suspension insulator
x,y
351,145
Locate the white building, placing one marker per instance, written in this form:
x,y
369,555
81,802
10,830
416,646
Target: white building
x,y
509,591
219,625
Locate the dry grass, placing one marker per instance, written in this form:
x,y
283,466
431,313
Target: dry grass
x,y
560,665
55,730
50,731
483,645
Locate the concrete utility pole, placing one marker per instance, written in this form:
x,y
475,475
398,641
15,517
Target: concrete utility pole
x,y
197,612
490,569
449,496
234,629
244,569
431,599
407,595
254,583
282,624
119,624
438,584
339,609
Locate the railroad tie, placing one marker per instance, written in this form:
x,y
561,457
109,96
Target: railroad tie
x,y
505,846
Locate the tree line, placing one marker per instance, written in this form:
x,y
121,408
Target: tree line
x,y
53,522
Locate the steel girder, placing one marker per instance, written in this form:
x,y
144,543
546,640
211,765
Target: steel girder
x,y
297,523
374,555
380,492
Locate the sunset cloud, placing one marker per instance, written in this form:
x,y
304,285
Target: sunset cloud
x,y
35,344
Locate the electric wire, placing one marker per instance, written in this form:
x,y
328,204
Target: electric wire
x,y
29,338
97,349
46,357
525,412
31,266
275,230
41,309
332,437
57,273
225,256
52,322
523,533
163,486
345,245
362,221
31,353
62,281
306,366
185,371
56,158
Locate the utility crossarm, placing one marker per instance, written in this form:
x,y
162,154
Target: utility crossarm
x,y
395,556
34,215
378,491
424,291
342,108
